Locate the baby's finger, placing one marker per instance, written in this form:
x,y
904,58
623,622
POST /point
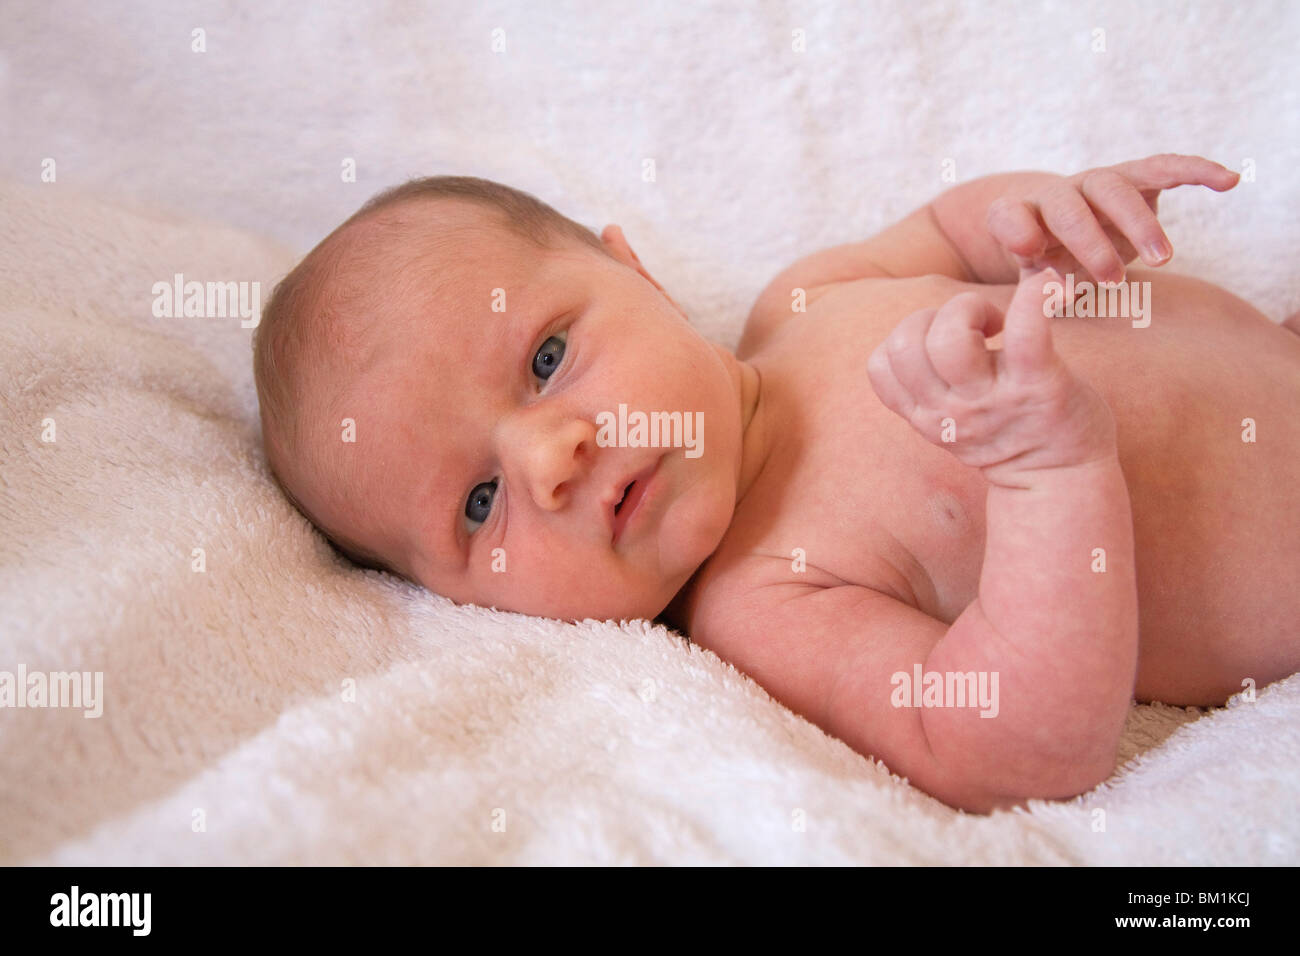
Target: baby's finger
x,y
1119,200
1170,169
955,342
911,366
1027,329
1014,224
1073,222
887,387
1125,248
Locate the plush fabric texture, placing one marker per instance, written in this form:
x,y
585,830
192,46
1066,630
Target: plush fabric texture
x,y
282,706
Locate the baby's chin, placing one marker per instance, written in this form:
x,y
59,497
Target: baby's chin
x,y
614,603
571,594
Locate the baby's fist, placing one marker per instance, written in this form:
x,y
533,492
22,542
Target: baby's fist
x,y
1008,411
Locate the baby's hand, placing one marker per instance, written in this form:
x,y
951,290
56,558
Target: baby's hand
x,y
1009,412
1094,223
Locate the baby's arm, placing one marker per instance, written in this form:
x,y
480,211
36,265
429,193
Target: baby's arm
x,y
1061,635
993,229
1092,224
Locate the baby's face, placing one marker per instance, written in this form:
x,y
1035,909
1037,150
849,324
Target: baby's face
x,y
483,471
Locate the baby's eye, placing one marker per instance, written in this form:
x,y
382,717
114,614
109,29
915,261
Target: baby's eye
x,y
548,357
479,505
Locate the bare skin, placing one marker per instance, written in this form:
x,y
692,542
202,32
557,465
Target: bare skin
x,y
829,537
1216,529
878,510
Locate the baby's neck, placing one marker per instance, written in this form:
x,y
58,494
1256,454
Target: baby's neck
x,y
754,444
754,448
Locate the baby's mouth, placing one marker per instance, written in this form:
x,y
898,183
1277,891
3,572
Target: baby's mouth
x,y
629,507
619,504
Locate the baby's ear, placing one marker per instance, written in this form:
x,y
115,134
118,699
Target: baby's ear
x,y
617,243
618,246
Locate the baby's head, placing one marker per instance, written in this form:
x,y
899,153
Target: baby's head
x,y
432,378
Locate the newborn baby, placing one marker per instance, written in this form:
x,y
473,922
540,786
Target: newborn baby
x,y
955,497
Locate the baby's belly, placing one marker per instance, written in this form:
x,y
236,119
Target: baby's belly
x,y
1209,438
1206,401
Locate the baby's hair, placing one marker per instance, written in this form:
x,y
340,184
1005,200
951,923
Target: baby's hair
x,y
525,215
297,328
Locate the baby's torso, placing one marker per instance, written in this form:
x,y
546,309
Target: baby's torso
x,y
852,495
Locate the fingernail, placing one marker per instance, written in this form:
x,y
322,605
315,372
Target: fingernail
x,y
1159,251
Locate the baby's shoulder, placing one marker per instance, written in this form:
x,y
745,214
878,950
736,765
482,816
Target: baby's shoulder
x,y
793,295
783,298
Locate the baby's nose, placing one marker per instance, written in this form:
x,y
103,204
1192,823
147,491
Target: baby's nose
x,y
559,462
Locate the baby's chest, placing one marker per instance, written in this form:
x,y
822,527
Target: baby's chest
x,y
851,495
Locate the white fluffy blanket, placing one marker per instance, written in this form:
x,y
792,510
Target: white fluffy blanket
x,y
280,706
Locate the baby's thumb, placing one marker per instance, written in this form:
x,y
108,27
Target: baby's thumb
x,y
1027,338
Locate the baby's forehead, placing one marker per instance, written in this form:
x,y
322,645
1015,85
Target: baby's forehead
x,y
456,330
464,286
423,260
